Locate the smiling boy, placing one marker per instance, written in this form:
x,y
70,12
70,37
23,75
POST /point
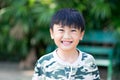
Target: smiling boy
x,y
66,62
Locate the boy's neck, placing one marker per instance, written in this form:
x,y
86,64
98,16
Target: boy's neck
x,y
68,56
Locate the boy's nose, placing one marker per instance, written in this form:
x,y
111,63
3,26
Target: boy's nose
x,y
67,35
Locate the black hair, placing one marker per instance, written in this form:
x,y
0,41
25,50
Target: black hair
x,y
68,17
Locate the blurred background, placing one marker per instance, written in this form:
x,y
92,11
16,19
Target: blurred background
x,y
24,29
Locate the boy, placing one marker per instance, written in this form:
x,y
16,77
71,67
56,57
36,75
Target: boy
x,y
66,62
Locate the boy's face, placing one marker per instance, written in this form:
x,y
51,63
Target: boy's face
x,y
66,38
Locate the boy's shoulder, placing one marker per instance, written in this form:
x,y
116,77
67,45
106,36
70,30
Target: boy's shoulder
x,y
87,57
46,57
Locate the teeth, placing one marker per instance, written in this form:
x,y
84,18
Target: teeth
x,y
66,42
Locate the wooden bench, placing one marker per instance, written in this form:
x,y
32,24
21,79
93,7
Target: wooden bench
x,y
102,45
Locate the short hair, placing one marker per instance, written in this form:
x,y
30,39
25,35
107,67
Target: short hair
x,y
68,17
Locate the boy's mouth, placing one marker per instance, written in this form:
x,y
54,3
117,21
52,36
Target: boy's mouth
x,y
66,43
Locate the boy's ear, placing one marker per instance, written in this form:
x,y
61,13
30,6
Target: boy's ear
x,y
82,34
51,34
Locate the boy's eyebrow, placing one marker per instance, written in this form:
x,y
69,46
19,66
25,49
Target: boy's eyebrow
x,y
59,27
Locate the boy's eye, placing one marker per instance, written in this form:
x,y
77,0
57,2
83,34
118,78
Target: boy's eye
x,y
74,30
60,30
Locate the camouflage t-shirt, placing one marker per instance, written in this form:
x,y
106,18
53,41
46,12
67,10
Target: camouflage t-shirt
x,y
51,67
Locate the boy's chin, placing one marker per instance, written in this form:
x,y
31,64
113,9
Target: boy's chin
x,y
67,48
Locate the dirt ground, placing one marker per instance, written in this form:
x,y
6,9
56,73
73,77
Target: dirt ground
x,y
10,71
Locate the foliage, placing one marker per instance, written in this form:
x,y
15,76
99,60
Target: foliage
x,y
25,23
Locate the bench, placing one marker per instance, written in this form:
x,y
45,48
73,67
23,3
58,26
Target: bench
x,y
102,45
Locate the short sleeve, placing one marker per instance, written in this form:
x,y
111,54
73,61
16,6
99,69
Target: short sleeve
x,y
91,67
38,72
94,68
